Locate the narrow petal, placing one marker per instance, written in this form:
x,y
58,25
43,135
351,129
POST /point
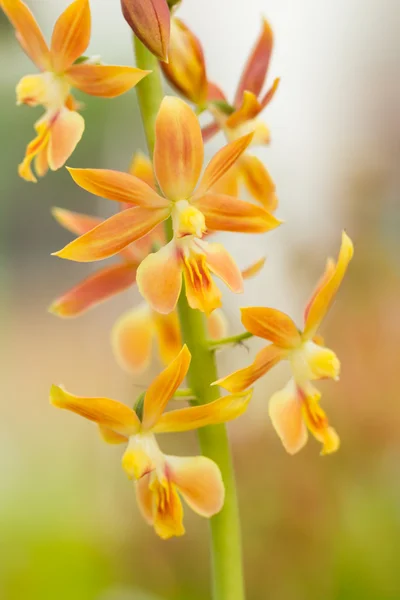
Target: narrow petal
x,y
163,388
168,335
327,288
240,380
74,222
186,69
253,269
159,279
317,420
132,339
167,509
272,325
113,235
257,65
222,410
71,35
258,181
221,263
217,325
270,93
247,111
142,168
221,162
199,481
66,131
93,290
41,163
285,411
209,131
229,183
225,213
28,32
37,146
201,291
104,80
144,498
105,412
109,436
118,186
179,152
214,93
150,21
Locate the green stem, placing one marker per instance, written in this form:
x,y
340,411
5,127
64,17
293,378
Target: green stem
x,y
228,581
234,339
184,393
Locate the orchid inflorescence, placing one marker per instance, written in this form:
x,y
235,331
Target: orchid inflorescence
x,y
168,209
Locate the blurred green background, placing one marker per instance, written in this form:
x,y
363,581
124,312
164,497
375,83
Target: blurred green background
x,y
313,528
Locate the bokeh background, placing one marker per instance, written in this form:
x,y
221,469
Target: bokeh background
x,y
313,528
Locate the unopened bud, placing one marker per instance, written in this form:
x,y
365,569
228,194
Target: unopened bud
x,y
150,21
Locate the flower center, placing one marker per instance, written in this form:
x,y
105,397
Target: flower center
x,y
187,220
312,361
142,456
46,89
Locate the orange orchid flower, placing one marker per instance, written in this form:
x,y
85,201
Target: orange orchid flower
x,y
61,127
178,161
296,407
160,479
150,21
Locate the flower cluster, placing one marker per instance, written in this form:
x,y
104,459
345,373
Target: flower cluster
x,y
168,207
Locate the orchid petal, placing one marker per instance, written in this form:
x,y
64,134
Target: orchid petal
x,y
222,410
258,181
160,392
220,262
104,80
271,324
327,288
208,131
93,290
113,234
238,381
168,335
160,506
35,148
178,153
248,110
132,339
71,35
118,186
217,325
317,421
74,222
159,279
109,436
201,291
105,412
66,131
285,411
142,168
253,269
225,213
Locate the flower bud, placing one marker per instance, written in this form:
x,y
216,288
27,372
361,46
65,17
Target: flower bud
x,y
186,69
150,21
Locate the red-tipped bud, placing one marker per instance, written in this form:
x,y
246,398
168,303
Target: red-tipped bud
x,y
186,69
150,21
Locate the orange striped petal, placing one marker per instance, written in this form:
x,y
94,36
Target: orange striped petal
x,y
256,68
71,35
36,147
163,388
160,506
103,80
168,334
285,411
317,421
28,32
198,479
93,290
150,21
111,437
74,222
253,269
222,161
258,181
270,93
142,168
222,410
271,324
229,183
327,288
238,381
159,279
105,412
225,213
113,234
217,325
118,186
132,337
66,131
248,110
201,291
178,152
186,69
220,262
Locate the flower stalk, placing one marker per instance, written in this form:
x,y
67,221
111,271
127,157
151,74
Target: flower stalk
x,y
228,581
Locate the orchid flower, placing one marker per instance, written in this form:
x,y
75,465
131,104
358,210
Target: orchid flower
x,y
296,407
178,161
61,127
160,478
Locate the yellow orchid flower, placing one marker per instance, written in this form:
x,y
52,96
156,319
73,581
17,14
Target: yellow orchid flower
x,y
296,407
61,127
178,161
161,478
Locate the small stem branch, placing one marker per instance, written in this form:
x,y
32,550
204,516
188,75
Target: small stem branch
x,y
234,339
